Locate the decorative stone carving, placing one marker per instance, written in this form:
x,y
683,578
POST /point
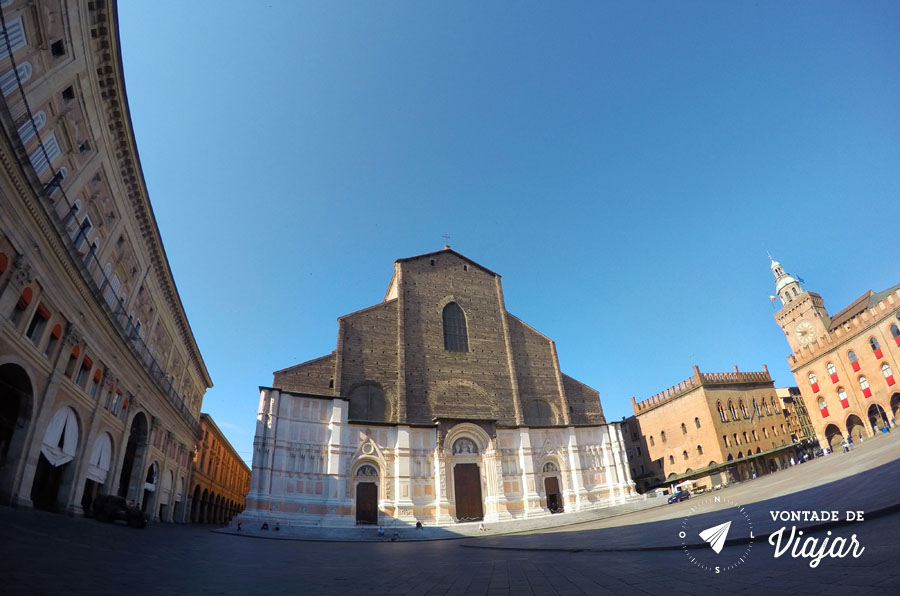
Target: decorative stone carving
x,y
72,336
464,446
22,273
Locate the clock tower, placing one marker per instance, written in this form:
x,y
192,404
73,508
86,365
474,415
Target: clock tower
x,y
802,317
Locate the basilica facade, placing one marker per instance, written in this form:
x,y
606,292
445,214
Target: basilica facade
x,y
437,406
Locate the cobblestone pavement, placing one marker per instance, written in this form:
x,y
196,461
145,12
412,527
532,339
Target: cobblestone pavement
x,y
42,553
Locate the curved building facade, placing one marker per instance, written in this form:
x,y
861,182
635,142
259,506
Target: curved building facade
x,y
101,380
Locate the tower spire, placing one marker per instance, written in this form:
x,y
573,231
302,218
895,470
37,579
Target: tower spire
x,y
786,287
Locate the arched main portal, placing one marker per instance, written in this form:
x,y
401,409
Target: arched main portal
x,y
16,396
366,480
552,488
834,437
134,452
58,449
467,480
855,428
877,418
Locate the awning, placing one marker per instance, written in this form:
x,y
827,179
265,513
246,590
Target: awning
x,y
98,467
61,438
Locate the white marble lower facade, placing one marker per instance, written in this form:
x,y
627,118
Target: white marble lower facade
x,y
313,467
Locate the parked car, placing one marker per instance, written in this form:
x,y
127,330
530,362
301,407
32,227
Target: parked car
x,y
112,508
681,495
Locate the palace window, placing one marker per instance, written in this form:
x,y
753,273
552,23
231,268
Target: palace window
x,y
766,404
684,454
37,324
9,82
652,442
697,422
721,411
83,372
832,372
876,347
864,385
683,428
813,382
671,459
662,435
765,432
699,450
736,442
725,438
888,373
14,35
842,395
743,409
854,361
733,411
746,440
28,130
455,331
895,333
774,407
756,407
45,154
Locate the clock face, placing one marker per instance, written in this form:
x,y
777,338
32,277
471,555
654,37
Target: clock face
x,y
804,332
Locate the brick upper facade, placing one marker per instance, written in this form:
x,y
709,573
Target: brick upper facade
x,y
509,374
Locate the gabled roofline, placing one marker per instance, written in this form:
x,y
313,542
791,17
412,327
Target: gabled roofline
x,y
448,250
329,355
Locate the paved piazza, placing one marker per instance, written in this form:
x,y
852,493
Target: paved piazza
x,y
49,554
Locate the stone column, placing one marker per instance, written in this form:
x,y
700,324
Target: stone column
x,y
530,496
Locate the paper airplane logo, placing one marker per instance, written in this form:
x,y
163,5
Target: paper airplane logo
x,y
716,536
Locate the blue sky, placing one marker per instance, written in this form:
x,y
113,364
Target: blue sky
x,y
625,168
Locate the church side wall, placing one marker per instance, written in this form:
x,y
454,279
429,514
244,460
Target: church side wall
x,y
315,376
584,401
536,370
369,350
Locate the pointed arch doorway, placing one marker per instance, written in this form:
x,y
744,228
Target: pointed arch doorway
x,y
366,495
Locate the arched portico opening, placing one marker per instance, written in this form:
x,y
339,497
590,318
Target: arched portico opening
x,y
150,486
131,476
97,471
204,507
833,437
55,468
878,418
195,505
855,428
16,402
895,407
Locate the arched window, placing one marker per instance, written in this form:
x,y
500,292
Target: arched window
x,y
8,82
812,379
28,130
456,337
652,442
743,409
756,407
842,395
684,454
736,442
550,467
721,411
683,428
671,459
895,333
367,402
888,373
832,372
765,432
854,361
755,436
697,422
725,439
774,432
874,343
863,383
699,450
662,435
766,404
733,411
774,407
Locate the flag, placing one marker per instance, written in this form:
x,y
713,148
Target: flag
x,y
801,280
772,298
